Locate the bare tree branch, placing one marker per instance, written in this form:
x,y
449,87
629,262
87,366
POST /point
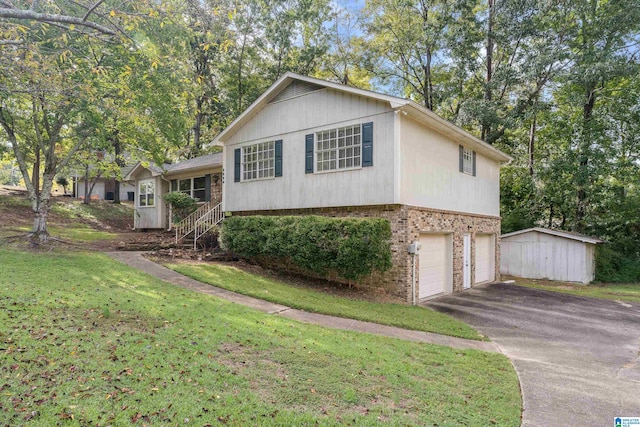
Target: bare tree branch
x,y
10,13
91,9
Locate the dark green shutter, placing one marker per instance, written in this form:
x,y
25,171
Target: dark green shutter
x,y
308,160
236,168
367,144
207,187
174,185
461,158
474,163
278,158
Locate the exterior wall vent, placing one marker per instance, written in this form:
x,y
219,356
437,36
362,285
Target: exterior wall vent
x,y
296,88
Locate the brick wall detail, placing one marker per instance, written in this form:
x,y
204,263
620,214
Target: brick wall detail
x,y
407,223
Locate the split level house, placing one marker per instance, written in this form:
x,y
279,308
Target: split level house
x,y
313,147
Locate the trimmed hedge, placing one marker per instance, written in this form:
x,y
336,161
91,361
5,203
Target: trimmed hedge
x,y
351,247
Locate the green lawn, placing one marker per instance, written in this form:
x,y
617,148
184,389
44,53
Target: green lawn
x,y
615,291
69,219
76,232
85,340
409,317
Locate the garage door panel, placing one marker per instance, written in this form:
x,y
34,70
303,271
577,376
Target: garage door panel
x,y
434,267
485,258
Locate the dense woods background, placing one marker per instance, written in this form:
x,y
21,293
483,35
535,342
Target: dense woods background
x,y
553,83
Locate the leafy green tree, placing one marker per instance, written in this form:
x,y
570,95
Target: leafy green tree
x,y
52,67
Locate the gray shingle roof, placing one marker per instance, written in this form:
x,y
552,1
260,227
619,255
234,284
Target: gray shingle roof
x,y
195,163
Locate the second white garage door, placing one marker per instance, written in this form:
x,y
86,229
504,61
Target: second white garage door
x,y
435,266
485,258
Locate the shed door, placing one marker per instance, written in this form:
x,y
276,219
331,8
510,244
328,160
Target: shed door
x,y
434,267
485,258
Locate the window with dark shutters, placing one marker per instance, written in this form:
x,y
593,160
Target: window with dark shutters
x,y
367,144
236,164
308,160
278,158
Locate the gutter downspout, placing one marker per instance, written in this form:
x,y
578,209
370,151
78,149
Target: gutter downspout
x,y
413,279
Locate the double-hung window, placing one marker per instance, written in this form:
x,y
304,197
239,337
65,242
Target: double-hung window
x,y
339,148
146,193
467,161
258,161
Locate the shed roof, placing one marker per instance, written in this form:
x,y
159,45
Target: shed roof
x,y
407,106
558,233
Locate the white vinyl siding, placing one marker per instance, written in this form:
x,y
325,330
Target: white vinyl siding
x,y
146,193
430,173
339,148
258,161
292,120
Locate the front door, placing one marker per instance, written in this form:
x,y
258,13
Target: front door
x,y
466,262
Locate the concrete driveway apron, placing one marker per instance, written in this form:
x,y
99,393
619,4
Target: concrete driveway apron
x,y
577,358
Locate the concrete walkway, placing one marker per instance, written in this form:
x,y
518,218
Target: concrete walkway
x,y
136,260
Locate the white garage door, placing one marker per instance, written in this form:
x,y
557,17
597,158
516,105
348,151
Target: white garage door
x,y
434,266
485,258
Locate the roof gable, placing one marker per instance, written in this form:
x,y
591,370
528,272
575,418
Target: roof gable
x,y
557,233
292,85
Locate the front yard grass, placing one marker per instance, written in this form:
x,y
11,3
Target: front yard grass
x,y
85,340
404,316
629,292
76,232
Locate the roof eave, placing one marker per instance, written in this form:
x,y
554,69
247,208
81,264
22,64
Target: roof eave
x,y
557,233
458,134
193,169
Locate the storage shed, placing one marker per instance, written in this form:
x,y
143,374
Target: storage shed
x,y
541,253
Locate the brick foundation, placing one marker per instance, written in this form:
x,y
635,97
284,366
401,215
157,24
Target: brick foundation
x,y
407,224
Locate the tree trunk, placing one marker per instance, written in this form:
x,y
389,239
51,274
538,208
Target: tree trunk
x,y
584,149
41,205
488,95
197,128
35,174
239,75
87,194
532,143
117,152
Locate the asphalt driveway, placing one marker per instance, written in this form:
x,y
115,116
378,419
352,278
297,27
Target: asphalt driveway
x,y
578,359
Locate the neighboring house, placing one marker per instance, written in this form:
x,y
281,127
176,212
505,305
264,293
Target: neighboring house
x,y
200,177
308,146
105,187
541,253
